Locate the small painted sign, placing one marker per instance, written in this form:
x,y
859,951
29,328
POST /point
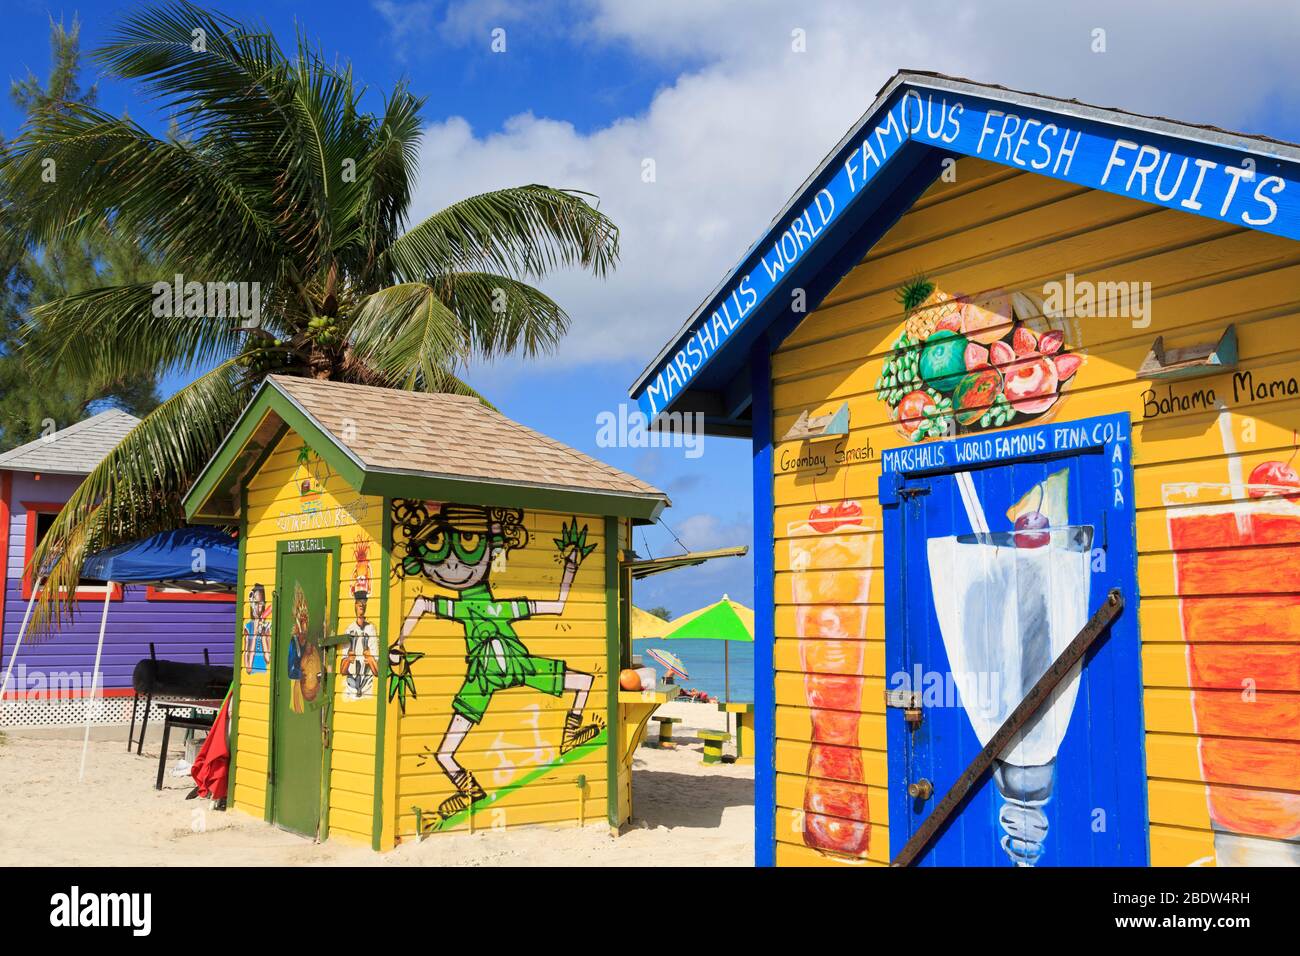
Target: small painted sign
x,y
350,512
1111,433
303,545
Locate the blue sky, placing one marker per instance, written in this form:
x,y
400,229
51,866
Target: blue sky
x,y
732,112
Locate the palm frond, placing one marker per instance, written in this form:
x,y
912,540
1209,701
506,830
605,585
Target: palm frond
x,y
76,165
502,316
228,84
116,332
136,490
524,231
388,172
408,334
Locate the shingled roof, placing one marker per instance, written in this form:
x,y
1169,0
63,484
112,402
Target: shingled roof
x,y
417,444
74,450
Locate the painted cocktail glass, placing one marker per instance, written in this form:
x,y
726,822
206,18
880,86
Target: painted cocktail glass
x,y
1005,614
1239,604
830,581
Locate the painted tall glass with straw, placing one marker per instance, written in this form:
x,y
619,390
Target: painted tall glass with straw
x,y
1240,613
1008,604
830,555
1010,611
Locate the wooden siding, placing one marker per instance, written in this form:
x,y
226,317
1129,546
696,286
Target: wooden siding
x,y
999,228
514,751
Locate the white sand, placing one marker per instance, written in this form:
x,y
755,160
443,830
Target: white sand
x,y
684,814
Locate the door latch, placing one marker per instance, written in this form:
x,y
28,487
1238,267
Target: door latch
x,y
909,702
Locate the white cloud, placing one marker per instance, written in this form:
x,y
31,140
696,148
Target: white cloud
x,y
410,23
747,119
705,532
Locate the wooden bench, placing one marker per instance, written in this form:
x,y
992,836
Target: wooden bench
x,y
665,741
713,741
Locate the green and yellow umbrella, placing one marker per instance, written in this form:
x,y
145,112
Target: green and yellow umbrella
x,y
724,620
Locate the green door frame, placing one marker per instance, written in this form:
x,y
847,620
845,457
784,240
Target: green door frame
x,y
381,692
236,684
613,655
333,546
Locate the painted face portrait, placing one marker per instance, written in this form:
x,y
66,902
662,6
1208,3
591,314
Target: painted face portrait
x,y
454,545
256,601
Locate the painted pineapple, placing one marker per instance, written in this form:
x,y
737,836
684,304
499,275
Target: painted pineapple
x,y
926,306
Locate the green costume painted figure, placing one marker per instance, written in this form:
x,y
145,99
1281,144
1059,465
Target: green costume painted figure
x,y
454,547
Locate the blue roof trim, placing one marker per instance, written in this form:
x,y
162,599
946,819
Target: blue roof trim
x,y
1247,181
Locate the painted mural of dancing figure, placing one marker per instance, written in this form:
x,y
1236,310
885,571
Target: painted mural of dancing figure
x,y
455,547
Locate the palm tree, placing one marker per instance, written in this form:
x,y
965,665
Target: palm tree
x,y
272,173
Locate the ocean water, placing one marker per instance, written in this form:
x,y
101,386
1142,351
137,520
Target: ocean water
x,y
703,661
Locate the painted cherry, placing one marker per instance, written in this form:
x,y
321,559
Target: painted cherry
x,y
1029,533
826,518
1270,475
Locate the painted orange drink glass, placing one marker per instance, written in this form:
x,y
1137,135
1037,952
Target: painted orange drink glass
x,y
1239,597
829,558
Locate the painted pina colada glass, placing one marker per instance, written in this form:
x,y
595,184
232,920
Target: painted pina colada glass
x,y
830,556
1008,604
1239,602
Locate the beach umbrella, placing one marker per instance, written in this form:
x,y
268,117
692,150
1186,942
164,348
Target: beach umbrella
x,y
670,661
646,625
724,620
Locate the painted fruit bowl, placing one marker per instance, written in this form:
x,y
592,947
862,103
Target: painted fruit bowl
x,y
968,363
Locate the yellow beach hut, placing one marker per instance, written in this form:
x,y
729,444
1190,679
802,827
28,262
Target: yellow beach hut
x,y
431,607
1015,369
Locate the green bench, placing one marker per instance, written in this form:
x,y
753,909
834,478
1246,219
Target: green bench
x,y
713,741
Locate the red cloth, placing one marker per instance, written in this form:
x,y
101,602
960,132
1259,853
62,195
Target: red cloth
x,y
211,767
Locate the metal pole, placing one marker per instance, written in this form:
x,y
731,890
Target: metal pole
x,y
726,670
94,679
726,677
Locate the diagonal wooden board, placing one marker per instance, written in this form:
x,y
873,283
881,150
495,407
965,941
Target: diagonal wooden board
x,y
1038,695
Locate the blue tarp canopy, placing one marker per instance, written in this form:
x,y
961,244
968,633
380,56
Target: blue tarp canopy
x,y
197,558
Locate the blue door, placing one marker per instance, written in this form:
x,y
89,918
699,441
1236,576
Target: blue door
x,y
998,550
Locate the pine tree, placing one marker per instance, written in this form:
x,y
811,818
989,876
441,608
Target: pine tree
x,y
30,403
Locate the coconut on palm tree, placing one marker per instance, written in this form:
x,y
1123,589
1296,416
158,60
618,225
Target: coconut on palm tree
x,y
273,173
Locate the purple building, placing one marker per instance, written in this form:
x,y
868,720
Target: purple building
x,y
51,677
